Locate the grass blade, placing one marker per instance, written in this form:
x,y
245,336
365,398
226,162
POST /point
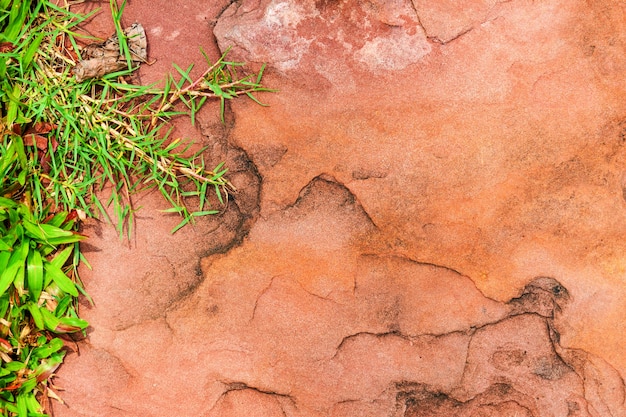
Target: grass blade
x,y
34,273
58,277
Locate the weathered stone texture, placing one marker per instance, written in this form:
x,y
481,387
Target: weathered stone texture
x,y
421,165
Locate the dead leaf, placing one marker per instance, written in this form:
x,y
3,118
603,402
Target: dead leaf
x,y
53,395
34,139
34,136
64,45
5,346
105,58
44,127
6,47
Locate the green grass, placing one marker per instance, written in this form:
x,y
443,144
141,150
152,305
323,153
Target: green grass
x,y
39,288
70,150
105,131
38,302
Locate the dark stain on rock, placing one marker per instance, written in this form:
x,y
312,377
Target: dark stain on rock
x,y
233,224
507,359
389,315
622,132
623,185
212,310
544,296
326,4
418,400
366,174
550,368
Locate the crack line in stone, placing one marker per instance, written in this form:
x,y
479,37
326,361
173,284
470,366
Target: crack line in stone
x,y
331,180
424,263
313,294
261,294
240,386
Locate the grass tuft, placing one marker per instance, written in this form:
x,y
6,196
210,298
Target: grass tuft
x,y
105,131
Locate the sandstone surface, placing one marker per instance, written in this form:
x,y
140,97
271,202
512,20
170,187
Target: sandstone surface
x,y
430,220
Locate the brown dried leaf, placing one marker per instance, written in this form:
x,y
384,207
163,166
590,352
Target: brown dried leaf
x,y
34,136
64,45
6,47
105,58
53,395
43,127
5,346
97,67
34,139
